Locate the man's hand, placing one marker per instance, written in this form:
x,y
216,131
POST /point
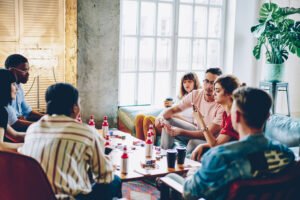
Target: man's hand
x,y
159,122
21,117
197,153
172,130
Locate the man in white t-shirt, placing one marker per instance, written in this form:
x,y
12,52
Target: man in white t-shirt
x,y
184,131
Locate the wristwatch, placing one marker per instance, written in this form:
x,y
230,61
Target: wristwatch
x,y
204,129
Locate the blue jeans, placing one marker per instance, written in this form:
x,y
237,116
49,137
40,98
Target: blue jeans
x,y
104,191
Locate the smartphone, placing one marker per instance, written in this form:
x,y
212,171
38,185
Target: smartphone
x,y
107,150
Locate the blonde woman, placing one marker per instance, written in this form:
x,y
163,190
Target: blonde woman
x,y
188,83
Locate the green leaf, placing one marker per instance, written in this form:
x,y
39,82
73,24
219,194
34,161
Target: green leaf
x,y
266,11
284,54
287,11
298,52
256,51
258,30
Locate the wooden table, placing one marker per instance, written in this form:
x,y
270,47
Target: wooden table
x,y
136,155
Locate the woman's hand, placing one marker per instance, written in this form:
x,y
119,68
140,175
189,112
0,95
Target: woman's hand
x,y
197,153
172,130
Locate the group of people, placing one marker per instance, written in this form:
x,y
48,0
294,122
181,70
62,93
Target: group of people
x,y
230,117
72,153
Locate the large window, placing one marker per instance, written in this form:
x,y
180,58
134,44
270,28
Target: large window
x,y
163,39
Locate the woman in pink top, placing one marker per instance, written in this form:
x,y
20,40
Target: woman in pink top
x,y
223,89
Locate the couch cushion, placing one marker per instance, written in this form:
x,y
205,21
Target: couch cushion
x,y
283,129
127,114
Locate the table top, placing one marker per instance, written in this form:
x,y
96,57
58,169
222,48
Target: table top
x,y
136,154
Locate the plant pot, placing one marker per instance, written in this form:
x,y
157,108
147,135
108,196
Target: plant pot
x,y
274,72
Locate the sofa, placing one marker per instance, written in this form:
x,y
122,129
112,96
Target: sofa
x,y
278,127
283,129
127,114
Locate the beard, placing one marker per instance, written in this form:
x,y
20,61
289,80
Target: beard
x,y
208,92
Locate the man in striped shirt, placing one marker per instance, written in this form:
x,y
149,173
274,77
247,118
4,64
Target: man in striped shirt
x,y
68,150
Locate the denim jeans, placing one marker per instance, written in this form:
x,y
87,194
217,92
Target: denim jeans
x,y
104,191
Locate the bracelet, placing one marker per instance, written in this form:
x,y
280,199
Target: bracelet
x,y
204,129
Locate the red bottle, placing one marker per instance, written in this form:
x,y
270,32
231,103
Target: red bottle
x,y
149,146
124,161
92,121
105,126
107,143
151,132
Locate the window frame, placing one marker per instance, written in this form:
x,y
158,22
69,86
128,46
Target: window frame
x,y
174,37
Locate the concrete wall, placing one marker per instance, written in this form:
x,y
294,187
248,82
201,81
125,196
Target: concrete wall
x,y
244,64
98,54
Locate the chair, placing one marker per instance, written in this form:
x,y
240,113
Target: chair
x,y
23,178
284,185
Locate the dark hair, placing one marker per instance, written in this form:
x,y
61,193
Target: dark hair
x,y
60,99
188,76
214,70
6,79
254,104
228,82
14,60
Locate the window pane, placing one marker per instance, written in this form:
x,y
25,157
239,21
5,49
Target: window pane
x,y
129,17
186,1
199,54
163,55
128,54
127,83
213,53
201,76
214,25
200,29
178,80
183,54
166,0
216,2
185,20
146,54
165,19
145,88
162,87
201,1
147,18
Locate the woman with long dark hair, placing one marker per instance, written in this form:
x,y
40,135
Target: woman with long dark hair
x,y
223,90
7,94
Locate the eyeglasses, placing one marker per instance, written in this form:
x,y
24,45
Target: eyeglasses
x,y
205,81
21,70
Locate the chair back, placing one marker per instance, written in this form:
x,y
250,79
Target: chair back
x,y
22,177
284,185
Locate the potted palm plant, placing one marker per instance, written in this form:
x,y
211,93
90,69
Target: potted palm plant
x,y
279,35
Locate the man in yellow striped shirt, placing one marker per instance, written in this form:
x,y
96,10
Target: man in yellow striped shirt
x,y
68,150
